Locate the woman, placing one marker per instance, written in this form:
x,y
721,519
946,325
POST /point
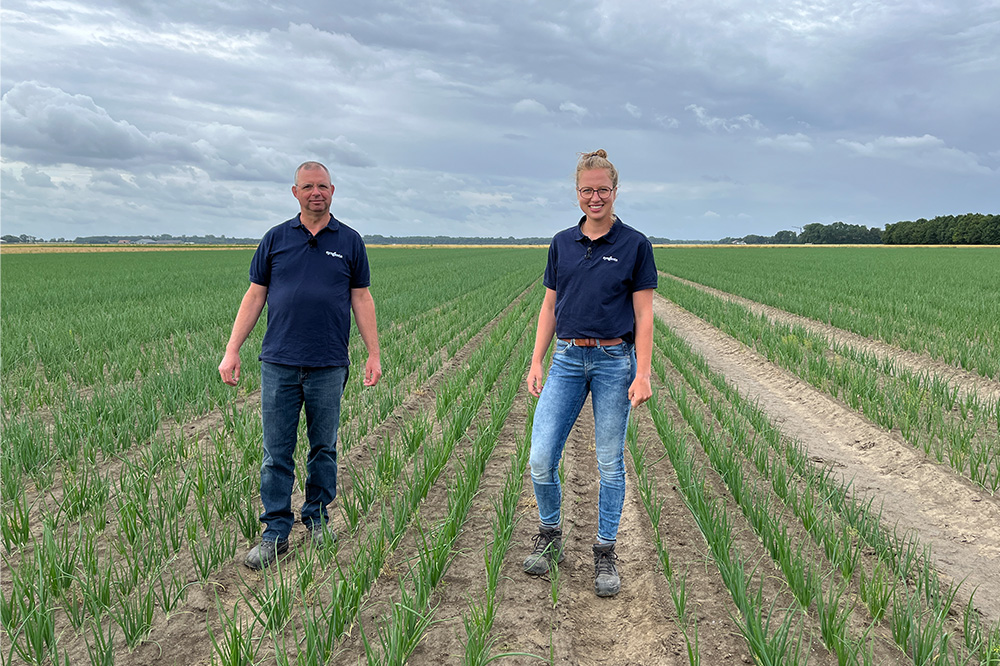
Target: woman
x,y
599,284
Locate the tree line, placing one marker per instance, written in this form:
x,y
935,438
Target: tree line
x,y
838,233
969,229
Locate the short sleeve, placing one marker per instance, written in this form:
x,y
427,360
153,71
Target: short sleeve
x,y
260,265
644,274
361,272
549,278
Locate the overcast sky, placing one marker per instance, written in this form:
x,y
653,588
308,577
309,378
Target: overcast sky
x,y
724,117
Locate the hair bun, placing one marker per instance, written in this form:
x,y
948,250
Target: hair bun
x,y
596,160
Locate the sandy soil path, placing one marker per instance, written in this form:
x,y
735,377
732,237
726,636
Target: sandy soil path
x,y
967,382
959,521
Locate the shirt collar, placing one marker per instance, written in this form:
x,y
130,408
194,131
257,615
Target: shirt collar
x,y
332,225
609,237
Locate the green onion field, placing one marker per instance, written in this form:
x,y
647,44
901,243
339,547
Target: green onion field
x,y
815,480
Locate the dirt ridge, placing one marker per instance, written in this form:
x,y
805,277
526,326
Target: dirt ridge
x,y
966,382
960,521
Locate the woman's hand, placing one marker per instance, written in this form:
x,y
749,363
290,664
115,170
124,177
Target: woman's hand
x,y
535,379
640,391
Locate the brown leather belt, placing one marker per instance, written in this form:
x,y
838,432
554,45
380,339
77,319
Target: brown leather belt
x,y
592,342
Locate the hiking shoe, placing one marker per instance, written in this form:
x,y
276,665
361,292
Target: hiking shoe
x,y
321,534
265,553
548,544
606,580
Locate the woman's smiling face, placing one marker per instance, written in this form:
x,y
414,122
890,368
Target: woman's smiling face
x,y
598,210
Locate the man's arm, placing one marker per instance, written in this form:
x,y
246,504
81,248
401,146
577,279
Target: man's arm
x,y
364,316
249,312
640,391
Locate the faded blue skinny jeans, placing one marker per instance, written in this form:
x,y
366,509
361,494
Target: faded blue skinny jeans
x,y
284,389
606,373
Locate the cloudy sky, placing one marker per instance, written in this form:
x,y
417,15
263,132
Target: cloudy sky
x,y
724,117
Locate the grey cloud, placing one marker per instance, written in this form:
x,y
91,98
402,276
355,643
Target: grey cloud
x,y
50,126
574,109
926,151
340,151
43,122
798,142
34,177
194,106
745,121
530,106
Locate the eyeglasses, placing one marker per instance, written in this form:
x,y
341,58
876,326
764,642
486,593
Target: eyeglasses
x,y
602,192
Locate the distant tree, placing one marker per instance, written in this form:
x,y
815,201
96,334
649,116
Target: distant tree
x,y
968,229
839,233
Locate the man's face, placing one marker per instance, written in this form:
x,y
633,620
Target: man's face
x,y
313,190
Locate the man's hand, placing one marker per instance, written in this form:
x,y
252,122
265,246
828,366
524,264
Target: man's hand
x,y
373,371
229,369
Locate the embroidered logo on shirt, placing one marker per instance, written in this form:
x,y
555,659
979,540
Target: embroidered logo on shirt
x,y
337,254
609,258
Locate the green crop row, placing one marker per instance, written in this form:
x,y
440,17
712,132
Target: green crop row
x,y
110,540
939,301
926,409
117,384
903,586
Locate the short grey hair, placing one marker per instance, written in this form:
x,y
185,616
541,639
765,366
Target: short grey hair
x,y
308,166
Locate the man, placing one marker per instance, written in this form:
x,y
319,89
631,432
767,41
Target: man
x,y
311,271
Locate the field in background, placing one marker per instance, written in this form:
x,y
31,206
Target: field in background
x,y
130,473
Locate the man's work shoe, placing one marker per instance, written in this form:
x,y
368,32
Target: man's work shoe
x,y
606,580
548,546
321,534
265,553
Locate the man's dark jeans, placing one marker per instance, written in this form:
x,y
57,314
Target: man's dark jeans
x,y
284,390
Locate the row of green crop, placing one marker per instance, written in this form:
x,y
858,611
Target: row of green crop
x,y
114,416
479,618
737,437
649,495
412,613
378,526
85,320
170,512
166,501
965,431
941,301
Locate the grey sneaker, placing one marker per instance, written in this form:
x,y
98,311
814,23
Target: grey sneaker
x,y
321,534
548,544
265,553
606,580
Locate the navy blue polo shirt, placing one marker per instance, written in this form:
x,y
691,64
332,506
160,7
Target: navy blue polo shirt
x,y
594,280
309,281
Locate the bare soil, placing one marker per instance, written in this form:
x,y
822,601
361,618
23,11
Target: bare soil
x,y
960,521
967,382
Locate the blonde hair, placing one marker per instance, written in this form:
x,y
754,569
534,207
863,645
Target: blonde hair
x,y
597,160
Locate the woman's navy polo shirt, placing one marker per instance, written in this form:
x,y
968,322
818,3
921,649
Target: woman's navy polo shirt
x,y
309,281
594,280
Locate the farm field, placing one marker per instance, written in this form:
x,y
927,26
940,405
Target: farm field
x,y
814,481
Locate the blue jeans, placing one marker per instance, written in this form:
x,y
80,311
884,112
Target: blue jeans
x,y
283,391
606,373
